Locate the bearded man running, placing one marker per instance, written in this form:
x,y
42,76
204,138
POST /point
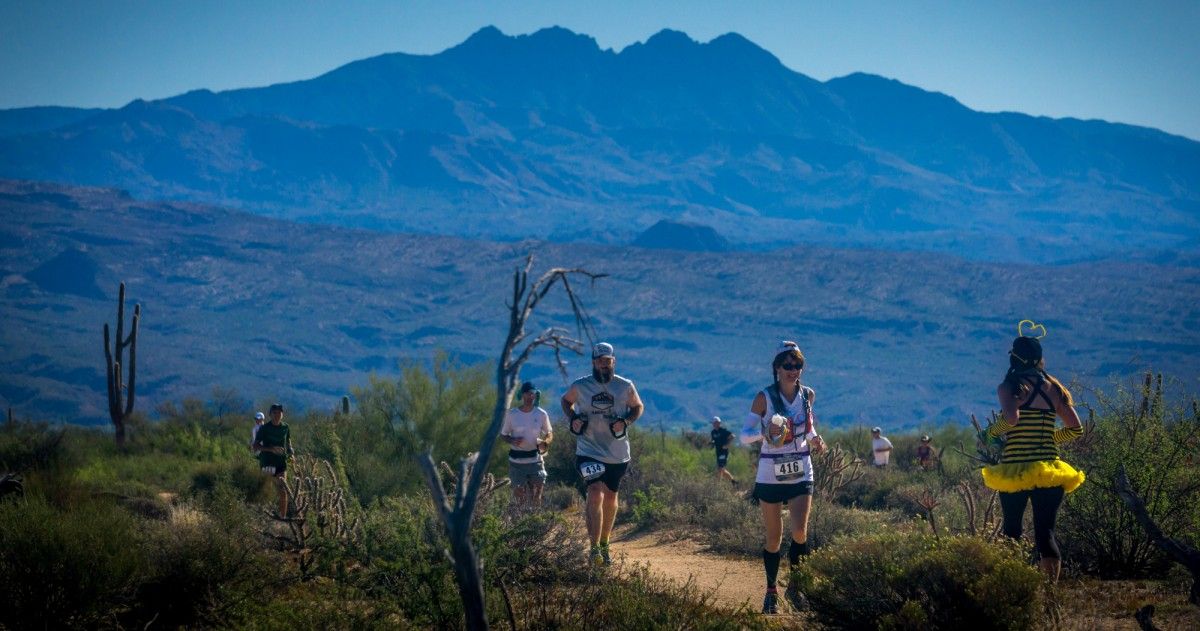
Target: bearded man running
x,y
600,408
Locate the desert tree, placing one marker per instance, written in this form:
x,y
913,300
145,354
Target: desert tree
x,y
121,393
456,509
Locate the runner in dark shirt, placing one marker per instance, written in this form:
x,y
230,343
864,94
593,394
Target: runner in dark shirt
x,y
721,439
273,444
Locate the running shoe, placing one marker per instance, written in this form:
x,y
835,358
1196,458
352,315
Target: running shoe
x,y
770,602
795,597
596,557
604,554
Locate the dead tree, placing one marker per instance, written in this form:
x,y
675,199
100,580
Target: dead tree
x,y
1178,550
121,393
457,509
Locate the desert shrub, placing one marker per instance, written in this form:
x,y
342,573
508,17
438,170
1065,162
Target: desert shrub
x,y
560,497
323,605
63,569
648,507
829,522
242,475
905,580
631,598
203,568
444,409
404,564
1155,440
26,445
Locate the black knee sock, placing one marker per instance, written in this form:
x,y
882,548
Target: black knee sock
x,y
797,550
771,563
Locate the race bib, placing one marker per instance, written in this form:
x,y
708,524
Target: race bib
x,y
789,467
591,470
268,470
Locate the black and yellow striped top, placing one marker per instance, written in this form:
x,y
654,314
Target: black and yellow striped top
x,y
1032,438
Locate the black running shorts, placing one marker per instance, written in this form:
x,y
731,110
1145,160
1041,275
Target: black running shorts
x,y
610,476
781,493
722,458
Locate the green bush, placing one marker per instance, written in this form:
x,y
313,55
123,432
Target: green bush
x,y
203,568
1154,438
907,580
242,475
66,570
649,507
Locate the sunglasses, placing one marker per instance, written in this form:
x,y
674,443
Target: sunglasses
x,y
792,366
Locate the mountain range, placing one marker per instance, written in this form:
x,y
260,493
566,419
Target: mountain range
x,y
302,313
548,136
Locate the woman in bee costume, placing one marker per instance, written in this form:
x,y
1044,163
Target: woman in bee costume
x,y
1030,470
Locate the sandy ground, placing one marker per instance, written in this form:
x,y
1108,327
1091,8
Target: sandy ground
x,y
732,581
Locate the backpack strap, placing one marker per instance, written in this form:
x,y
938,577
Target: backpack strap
x,y
1035,392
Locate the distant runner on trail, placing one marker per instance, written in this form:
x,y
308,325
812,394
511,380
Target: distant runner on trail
x,y
721,439
259,420
1030,469
926,456
881,447
527,430
599,410
781,418
273,444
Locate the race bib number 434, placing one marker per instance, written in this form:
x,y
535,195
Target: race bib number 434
x,y
591,470
789,468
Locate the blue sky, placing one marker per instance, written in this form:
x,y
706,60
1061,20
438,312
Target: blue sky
x,y
1130,62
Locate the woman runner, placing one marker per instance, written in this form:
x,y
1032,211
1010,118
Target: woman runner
x,y
781,418
1030,470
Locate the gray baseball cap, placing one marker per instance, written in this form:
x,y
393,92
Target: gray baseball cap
x,y
603,349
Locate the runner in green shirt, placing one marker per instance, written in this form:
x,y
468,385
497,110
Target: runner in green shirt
x,y
273,444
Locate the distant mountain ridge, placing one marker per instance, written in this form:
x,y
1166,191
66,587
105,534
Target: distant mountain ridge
x,y
549,135
301,313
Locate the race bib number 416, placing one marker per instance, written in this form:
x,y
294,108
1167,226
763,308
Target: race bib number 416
x,y
789,468
591,470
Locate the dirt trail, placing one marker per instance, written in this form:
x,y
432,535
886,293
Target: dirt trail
x,y
734,581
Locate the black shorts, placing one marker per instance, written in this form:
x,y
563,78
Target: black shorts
x,y
273,466
781,493
722,458
611,477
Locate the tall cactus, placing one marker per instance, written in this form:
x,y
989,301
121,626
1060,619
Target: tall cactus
x,y
121,395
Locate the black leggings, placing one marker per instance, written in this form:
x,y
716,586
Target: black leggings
x,y
1045,510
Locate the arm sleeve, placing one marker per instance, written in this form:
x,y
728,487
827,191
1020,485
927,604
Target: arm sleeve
x,y
751,429
506,427
1065,434
1000,427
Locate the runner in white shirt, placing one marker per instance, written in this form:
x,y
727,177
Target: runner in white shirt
x,y
781,418
881,446
527,431
259,419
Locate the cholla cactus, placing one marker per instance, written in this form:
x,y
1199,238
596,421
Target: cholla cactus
x,y
320,508
838,468
487,488
987,448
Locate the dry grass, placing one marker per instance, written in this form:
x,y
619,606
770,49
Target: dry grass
x,y
1095,605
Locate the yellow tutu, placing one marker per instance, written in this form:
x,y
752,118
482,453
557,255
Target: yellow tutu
x,y
1023,476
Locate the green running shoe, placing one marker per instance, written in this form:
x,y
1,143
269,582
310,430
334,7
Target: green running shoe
x,y
596,557
604,554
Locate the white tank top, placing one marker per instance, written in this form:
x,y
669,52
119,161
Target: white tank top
x,y
803,422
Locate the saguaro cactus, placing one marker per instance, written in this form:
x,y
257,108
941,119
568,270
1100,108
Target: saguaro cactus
x,y
121,394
